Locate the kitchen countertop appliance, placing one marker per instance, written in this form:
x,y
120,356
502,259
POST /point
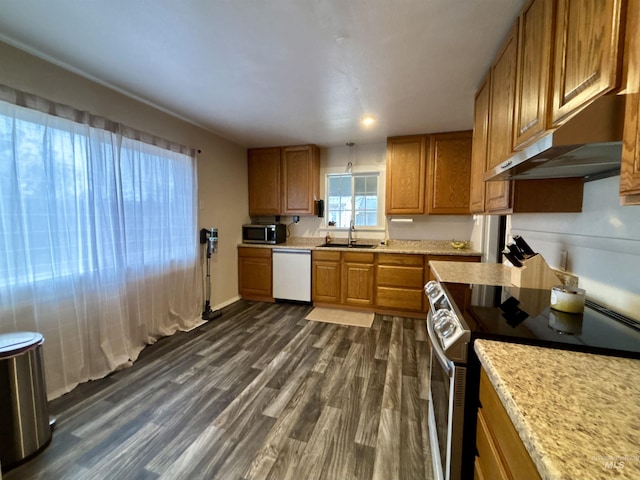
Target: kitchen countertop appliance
x,y
504,313
271,234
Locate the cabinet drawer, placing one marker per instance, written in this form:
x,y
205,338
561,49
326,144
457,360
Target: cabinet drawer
x,y
488,463
358,257
325,255
400,259
394,276
505,435
399,298
254,252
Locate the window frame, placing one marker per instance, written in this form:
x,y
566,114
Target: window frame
x,y
379,225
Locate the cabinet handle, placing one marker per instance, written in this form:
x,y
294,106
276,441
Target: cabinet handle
x,y
506,165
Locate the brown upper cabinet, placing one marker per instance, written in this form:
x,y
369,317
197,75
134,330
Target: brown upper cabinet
x,y
501,108
283,180
479,146
587,58
559,56
428,174
449,173
533,72
265,197
630,168
509,196
406,170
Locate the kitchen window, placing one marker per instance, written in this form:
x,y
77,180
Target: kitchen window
x,y
352,196
77,199
98,227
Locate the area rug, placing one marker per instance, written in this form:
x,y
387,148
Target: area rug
x,y
341,317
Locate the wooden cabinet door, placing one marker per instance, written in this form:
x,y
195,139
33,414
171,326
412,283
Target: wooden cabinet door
x,y
357,281
500,137
533,71
479,146
488,463
300,179
265,188
406,170
326,277
254,273
449,173
630,168
357,278
587,49
498,440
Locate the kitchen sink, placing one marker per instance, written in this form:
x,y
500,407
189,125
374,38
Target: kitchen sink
x,y
346,245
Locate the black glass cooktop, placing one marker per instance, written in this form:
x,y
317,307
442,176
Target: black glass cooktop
x,y
523,315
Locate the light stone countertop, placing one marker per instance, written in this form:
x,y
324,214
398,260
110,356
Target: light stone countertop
x,y
578,414
421,247
484,273
472,273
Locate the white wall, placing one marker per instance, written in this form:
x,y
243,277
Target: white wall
x,y
222,165
602,244
372,158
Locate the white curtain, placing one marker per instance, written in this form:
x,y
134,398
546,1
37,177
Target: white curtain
x,y
98,243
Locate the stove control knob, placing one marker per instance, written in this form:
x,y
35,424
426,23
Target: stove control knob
x,y
432,289
448,329
440,318
442,325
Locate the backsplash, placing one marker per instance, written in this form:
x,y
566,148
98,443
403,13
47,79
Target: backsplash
x,y
434,227
602,244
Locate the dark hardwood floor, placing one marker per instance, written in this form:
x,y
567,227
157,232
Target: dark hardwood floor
x,y
259,393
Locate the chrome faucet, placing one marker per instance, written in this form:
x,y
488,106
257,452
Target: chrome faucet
x,y
352,229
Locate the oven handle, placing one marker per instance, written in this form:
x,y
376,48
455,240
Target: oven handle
x,y
446,364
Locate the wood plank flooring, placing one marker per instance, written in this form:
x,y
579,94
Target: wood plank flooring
x,y
258,394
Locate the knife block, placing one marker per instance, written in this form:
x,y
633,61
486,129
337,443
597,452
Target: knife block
x,y
534,273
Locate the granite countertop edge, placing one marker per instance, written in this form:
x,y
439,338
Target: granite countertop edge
x,y
419,247
563,415
471,273
515,414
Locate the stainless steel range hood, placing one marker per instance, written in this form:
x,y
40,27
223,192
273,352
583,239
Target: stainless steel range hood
x,y
588,145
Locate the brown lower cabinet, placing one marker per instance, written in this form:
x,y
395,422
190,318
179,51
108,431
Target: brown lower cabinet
x,y
325,276
501,453
399,282
343,278
254,274
388,283
357,278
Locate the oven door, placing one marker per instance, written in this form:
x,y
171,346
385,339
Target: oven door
x,y
446,411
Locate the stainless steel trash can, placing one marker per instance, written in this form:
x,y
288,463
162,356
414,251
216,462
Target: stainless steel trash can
x,y
24,414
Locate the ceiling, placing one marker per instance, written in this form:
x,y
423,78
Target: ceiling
x,y
278,72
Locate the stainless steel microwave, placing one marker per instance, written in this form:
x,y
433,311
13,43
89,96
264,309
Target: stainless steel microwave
x,y
271,234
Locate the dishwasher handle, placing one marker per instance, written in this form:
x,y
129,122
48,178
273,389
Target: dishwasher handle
x,y
291,250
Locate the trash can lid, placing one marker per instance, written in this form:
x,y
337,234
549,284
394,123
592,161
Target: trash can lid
x,y
17,342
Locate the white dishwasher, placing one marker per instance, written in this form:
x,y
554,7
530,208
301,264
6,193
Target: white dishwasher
x,y
292,274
